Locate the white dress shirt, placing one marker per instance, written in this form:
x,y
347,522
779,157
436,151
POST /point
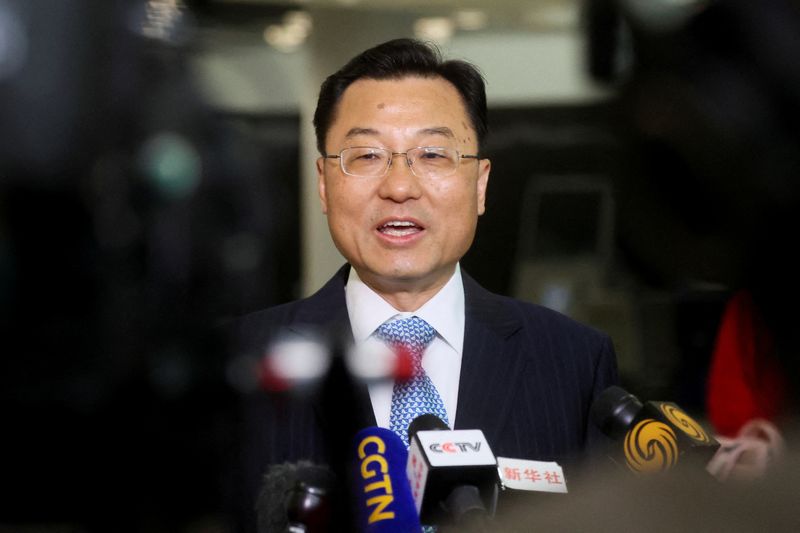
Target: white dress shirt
x,y
441,360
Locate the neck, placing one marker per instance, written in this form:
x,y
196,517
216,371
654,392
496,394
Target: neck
x,y
404,295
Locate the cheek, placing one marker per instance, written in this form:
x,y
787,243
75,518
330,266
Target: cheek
x,y
457,200
447,190
347,208
340,200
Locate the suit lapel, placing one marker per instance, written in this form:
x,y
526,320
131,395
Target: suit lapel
x,y
326,310
491,364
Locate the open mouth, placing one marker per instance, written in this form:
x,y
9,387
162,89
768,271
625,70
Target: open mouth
x,y
399,228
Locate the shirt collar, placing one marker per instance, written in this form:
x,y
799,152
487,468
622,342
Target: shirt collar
x,y
445,311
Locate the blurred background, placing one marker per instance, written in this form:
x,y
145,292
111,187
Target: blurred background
x,y
156,179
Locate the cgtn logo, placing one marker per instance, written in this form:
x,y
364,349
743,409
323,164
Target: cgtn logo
x,y
460,447
379,493
455,447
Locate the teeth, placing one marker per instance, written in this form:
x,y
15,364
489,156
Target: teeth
x,y
399,228
399,232
398,223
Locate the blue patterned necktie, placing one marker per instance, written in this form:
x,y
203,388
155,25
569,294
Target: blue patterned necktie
x,y
417,395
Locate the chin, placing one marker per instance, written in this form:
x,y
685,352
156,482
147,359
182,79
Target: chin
x,y
402,272
414,275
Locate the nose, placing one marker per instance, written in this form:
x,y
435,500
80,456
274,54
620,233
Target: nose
x,y
400,184
404,155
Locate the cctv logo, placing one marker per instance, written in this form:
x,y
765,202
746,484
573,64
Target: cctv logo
x,y
458,447
455,447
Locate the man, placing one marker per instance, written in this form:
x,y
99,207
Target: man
x,y
402,183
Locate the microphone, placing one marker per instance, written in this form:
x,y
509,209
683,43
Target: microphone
x,y
295,498
380,485
453,474
655,436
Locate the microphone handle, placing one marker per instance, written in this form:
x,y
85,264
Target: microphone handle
x,y
466,509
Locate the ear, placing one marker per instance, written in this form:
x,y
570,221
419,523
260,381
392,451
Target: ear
x,y
323,196
484,166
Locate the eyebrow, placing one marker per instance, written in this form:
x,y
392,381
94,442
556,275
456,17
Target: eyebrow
x,y
354,132
440,130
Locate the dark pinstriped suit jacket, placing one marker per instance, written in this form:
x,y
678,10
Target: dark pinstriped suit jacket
x,y
528,378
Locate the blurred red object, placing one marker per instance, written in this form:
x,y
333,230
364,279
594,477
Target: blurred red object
x,y
404,369
746,381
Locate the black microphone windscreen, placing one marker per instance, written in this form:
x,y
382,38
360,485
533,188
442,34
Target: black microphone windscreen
x,y
279,482
426,422
614,410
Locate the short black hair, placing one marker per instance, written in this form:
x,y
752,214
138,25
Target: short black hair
x,y
396,59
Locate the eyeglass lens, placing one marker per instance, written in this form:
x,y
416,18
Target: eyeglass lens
x,y
424,161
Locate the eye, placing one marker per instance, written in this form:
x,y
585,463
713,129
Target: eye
x,y
432,155
364,156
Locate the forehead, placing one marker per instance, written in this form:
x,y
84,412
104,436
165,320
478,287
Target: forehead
x,y
402,106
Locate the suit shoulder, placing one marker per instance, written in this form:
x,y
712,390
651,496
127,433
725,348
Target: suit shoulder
x,y
277,314
544,317
320,311
507,315
533,318
255,330
591,351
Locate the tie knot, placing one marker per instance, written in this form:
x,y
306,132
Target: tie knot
x,y
413,333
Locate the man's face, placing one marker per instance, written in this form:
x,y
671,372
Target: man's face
x,y
369,217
